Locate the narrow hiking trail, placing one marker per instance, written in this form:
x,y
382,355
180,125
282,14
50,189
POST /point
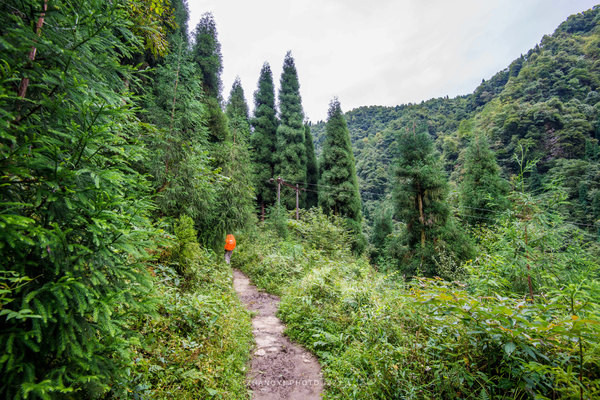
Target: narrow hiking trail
x,y
280,369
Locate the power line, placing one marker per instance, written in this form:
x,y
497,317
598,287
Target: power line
x,y
318,185
337,188
502,212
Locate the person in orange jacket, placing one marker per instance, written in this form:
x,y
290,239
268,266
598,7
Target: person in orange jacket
x,y
229,246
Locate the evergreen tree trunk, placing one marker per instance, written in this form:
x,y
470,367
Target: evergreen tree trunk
x,y
22,92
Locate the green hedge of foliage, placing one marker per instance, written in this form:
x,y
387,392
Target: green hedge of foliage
x,y
198,344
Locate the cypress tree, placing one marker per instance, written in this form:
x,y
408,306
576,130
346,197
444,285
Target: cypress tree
x,y
237,113
179,166
338,192
233,206
420,201
312,170
382,227
264,137
483,192
291,151
207,54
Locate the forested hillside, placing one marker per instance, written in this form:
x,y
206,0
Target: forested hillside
x,y
447,249
545,102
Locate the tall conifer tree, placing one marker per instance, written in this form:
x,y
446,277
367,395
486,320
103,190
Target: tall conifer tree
x,y
207,54
338,190
264,137
312,170
483,191
75,214
235,208
229,207
237,113
181,13
291,150
180,168
420,200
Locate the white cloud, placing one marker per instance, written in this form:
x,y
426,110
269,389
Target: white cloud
x,y
381,52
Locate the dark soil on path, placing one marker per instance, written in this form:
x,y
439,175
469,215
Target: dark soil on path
x,y
280,369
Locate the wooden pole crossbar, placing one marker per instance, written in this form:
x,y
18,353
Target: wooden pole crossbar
x,y
296,188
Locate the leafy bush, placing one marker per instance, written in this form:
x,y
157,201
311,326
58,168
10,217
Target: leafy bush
x,y
188,255
75,230
273,262
199,344
434,340
276,221
328,234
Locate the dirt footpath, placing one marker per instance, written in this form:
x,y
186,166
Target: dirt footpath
x,y
281,370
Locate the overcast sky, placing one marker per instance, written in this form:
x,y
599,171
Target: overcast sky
x,y
378,52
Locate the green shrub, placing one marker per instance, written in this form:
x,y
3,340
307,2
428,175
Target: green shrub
x,y
276,221
320,231
434,340
199,344
273,261
188,255
380,337
75,229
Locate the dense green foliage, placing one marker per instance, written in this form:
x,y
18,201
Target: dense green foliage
x,y
339,192
181,14
237,112
88,169
290,158
264,137
74,213
546,101
483,192
338,185
236,210
379,338
120,181
380,234
180,168
232,207
420,200
207,54
198,345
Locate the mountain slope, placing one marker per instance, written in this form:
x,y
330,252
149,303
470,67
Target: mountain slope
x,y
545,102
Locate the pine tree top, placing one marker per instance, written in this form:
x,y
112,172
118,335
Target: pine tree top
x,y
290,101
236,105
265,94
207,53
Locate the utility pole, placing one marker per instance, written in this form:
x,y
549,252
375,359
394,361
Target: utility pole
x,y
297,190
279,180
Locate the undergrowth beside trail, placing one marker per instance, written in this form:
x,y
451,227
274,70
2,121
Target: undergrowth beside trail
x,y
198,344
380,337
